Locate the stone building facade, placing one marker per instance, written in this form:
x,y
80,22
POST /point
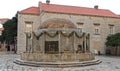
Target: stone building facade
x,y
99,23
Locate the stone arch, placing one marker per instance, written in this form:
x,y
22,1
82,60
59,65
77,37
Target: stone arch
x,y
57,23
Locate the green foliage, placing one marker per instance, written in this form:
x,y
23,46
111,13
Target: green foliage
x,y
10,31
113,40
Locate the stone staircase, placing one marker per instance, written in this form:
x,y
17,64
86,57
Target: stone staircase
x,y
57,64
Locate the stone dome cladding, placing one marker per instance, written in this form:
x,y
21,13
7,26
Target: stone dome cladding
x,y
57,23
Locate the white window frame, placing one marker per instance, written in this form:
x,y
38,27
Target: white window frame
x,y
96,28
28,26
111,29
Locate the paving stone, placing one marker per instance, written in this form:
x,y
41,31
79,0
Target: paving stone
x,y
110,63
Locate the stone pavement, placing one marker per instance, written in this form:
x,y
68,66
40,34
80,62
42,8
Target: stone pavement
x,y
109,63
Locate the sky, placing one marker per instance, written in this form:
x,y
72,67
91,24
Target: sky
x,y
8,8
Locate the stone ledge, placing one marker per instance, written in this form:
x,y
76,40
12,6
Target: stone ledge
x,y
57,64
65,57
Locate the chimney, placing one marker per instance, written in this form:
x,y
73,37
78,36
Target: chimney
x,y
96,7
47,1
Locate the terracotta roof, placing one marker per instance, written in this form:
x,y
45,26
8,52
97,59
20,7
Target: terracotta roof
x,y
69,9
1,29
4,18
31,10
77,10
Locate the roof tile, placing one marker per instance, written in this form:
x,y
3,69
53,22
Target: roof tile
x,y
31,10
69,9
1,29
77,10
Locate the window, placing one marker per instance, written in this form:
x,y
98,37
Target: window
x,y
96,31
80,26
28,26
111,29
51,47
96,28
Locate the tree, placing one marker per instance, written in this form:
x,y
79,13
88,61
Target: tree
x,y
113,41
10,31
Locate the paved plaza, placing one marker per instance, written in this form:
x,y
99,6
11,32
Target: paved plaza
x,y
109,63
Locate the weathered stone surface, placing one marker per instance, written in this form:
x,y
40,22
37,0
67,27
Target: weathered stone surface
x,y
40,57
97,42
109,63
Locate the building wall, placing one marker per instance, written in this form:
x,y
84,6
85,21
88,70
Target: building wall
x,y
21,39
97,42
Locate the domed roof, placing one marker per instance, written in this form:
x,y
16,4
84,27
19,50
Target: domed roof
x,y
57,23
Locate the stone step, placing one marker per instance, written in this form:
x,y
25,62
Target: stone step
x,y
57,64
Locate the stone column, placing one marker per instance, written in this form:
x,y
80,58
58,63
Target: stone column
x,y
32,42
84,40
59,45
43,46
88,42
26,42
29,42
43,41
74,45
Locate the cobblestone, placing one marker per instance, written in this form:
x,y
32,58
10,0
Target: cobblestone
x,y
109,63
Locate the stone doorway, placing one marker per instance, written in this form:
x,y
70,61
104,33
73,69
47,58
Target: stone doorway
x,y
51,47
